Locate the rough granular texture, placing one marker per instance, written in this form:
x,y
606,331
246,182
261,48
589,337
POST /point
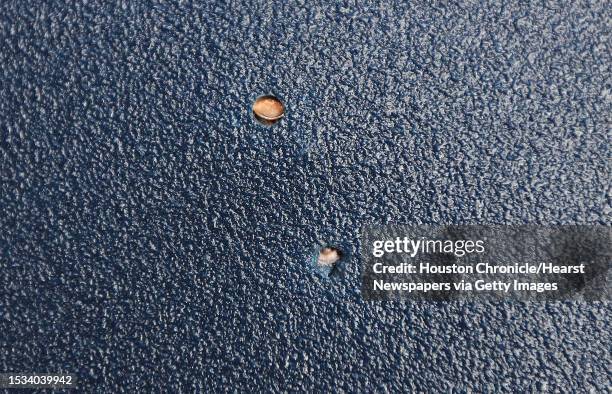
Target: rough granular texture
x,y
153,234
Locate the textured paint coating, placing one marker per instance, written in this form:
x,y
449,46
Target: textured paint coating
x,y
154,235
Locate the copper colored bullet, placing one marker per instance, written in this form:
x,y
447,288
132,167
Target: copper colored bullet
x,y
268,109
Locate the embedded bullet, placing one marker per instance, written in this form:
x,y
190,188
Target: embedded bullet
x,y
268,109
329,256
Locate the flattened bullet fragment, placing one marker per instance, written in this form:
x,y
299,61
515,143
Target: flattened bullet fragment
x,y
268,109
329,256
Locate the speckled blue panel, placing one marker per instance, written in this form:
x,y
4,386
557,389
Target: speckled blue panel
x,y
153,235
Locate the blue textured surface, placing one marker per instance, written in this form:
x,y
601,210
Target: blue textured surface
x,y
153,234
